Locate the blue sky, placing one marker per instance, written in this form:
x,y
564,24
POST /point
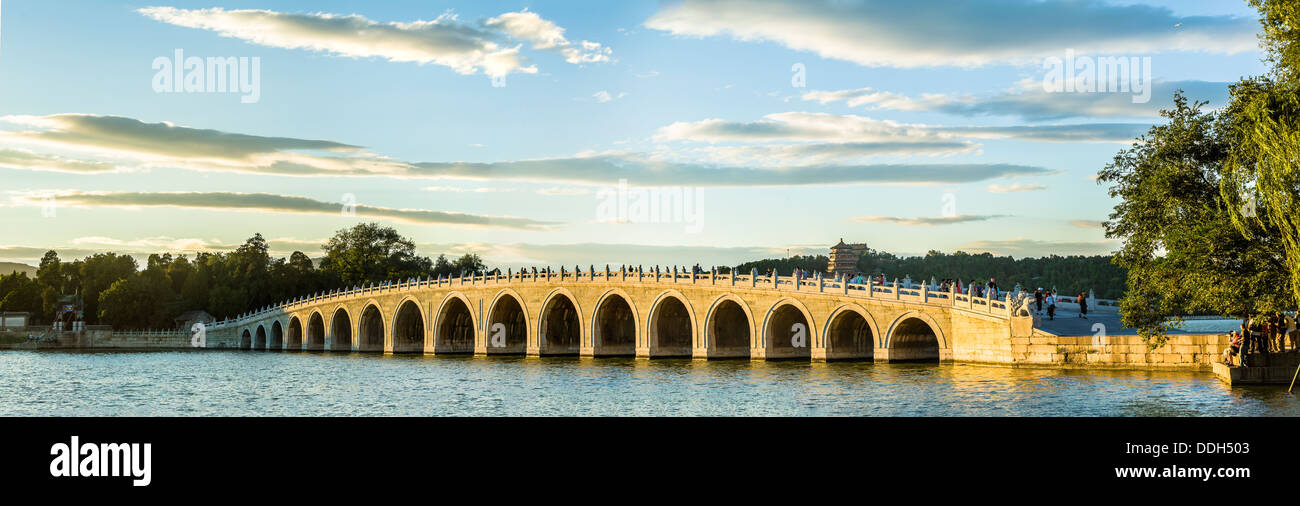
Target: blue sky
x,y
899,137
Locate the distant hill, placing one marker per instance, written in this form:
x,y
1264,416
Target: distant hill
x,y
12,267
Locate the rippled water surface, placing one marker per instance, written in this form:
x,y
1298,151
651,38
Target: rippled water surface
x,y
306,384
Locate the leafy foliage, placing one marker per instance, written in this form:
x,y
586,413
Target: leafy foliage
x,y
223,284
1209,201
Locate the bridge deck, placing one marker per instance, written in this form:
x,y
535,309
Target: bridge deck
x,y
1068,323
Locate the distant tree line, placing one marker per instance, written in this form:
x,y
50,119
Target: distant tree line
x,y
117,292
1068,274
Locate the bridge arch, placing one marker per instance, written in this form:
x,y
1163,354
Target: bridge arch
x,y
370,328
259,339
315,333
508,310
559,324
246,340
671,326
729,328
408,326
454,325
781,338
615,324
340,338
850,332
916,336
277,331
294,334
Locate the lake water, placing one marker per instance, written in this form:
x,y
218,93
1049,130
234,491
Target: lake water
x,y
246,383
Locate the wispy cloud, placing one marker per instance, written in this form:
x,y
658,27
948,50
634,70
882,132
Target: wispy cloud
x,y
466,48
165,145
954,32
926,221
1016,188
1086,224
22,159
267,202
1028,100
841,128
638,169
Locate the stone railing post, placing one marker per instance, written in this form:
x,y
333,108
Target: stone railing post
x,y
925,293
821,284
753,276
896,294
674,274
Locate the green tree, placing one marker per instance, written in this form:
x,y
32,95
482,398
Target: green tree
x,y
1182,253
140,301
369,253
100,271
1261,180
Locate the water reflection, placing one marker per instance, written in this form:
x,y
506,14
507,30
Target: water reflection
x,y
285,384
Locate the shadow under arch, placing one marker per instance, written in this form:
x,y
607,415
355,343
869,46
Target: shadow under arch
x,y
728,328
370,329
340,330
277,332
670,327
850,333
454,325
788,331
315,333
559,326
507,325
916,337
408,327
614,325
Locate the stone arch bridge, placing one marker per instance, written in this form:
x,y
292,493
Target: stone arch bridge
x,y
636,313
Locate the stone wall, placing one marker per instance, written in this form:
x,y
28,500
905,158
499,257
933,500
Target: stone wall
x,y
1182,351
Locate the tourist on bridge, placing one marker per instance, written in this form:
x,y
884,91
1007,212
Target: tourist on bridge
x,y
1051,305
1038,301
1083,305
993,288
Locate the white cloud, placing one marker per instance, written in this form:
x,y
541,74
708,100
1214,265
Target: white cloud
x,y
603,96
545,35
955,32
466,48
